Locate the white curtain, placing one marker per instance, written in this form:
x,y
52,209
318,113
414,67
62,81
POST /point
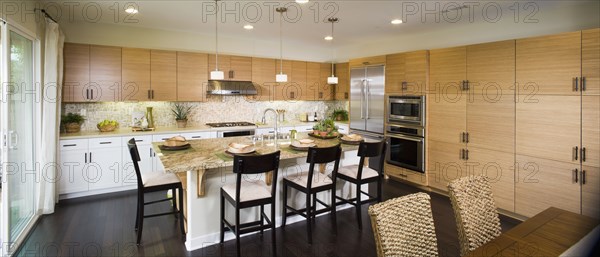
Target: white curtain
x,y
53,76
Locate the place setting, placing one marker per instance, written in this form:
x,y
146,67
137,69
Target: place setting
x,y
351,139
239,149
175,143
302,144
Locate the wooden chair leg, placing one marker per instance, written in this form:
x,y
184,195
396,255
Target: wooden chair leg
x,y
262,219
222,217
285,197
140,218
273,228
181,216
333,211
237,231
358,207
308,218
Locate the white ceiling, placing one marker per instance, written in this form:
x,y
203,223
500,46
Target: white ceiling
x,y
361,23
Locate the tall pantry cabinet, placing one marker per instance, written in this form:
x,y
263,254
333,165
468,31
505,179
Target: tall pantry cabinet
x,y
558,123
471,116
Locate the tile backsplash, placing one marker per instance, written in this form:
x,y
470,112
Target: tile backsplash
x,y
215,109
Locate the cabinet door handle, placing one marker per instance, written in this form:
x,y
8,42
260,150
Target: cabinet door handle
x,y
105,143
582,83
92,94
346,95
152,94
467,133
87,94
320,95
467,84
404,85
575,179
575,84
231,74
150,151
139,140
583,177
90,157
197,137
149,94
575,151
292,95
462,154
583,154
69,145
85,158
467,154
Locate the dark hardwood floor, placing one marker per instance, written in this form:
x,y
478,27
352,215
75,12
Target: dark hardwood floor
x,y
104,226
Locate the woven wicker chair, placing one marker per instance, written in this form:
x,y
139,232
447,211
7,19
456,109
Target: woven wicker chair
x,y
477,219
403,226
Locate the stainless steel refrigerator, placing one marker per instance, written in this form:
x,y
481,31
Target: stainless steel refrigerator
x,y
367,100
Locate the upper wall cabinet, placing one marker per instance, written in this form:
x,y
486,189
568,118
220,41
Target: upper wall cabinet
x,y
549,65
105,73
325,91
163,75
92,73
342,89
191,84
77,72
407,73
136,74
366,61
590,61
263,76
237,68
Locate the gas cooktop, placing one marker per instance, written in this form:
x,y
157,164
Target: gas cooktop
x,y
230,124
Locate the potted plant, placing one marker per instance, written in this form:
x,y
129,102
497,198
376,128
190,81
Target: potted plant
x,y
339,115
181,112
325,128
72,122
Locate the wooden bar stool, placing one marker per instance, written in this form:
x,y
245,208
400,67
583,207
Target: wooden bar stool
x,y
360,175
152,182
246,193
303,182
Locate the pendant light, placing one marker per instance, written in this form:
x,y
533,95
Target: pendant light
x,y
333,80
281,77
217,74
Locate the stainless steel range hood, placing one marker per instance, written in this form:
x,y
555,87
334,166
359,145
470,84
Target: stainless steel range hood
x,y
225,87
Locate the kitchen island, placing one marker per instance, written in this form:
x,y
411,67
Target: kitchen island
x,y
205,167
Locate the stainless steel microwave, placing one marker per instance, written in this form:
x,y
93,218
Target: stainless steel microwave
x,y
406,109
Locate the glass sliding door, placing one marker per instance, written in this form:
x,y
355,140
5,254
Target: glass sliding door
x,y
19,136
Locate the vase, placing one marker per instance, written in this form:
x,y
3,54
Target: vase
x,y
181,123
149,117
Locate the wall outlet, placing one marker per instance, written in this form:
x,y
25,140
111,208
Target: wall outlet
x,y
83,112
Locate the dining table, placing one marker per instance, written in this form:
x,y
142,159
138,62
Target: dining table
x,y
552,232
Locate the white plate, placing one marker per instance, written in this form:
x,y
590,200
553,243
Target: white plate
x,y
300,145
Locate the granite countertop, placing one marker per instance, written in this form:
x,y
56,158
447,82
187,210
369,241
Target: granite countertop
x,y
293,123
127,132
210,153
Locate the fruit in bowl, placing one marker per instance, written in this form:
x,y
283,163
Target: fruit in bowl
x,y
107,125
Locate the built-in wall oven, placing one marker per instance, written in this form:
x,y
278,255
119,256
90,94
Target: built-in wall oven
x,y
405,132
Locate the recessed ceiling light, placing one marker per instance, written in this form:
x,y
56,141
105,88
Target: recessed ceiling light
x,y
131,10
396,21
301,1
248,27
328,38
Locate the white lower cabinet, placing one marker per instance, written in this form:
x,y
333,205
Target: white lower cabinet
x,y
147,156
89,164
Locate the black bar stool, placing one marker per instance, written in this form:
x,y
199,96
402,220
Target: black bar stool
x,y
303,182
247,193
153,182
360,175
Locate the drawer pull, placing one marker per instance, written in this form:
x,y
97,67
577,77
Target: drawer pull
x,y
197,137
69,145
139,140
105,143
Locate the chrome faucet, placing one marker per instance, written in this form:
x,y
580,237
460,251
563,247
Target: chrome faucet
x,y
276,121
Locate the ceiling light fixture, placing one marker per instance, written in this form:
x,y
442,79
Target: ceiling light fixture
x,y
281,77
396,21
328,38
131,10
248,27
333,80
217,74
302,1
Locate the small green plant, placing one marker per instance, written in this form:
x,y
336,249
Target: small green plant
x,y
72,118
181,111
339,114
327,125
